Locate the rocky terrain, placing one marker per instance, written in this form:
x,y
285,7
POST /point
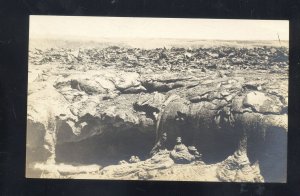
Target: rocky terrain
x,y
179,113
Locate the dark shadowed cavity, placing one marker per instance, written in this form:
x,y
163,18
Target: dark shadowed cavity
x,y
107,148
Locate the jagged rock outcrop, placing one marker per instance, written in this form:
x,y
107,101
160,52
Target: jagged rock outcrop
x,y
107,115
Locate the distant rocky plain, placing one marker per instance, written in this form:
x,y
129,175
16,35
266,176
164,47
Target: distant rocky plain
x,y
126,112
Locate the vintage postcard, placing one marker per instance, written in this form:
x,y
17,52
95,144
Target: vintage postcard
x,y
125,98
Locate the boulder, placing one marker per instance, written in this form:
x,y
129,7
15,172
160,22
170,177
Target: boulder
x,y
261,103
180,154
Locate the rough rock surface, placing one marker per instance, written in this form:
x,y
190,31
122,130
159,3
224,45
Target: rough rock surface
x,y
101,110
140,170
237,167
181,154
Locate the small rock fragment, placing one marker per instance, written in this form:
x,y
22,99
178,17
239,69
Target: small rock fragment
x,y
134,159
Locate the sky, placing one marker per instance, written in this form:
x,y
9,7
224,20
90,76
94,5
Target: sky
x,y
173,28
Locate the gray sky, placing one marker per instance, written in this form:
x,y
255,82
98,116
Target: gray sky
x,y
129,27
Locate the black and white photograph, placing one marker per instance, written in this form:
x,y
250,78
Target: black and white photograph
x,y
159,99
